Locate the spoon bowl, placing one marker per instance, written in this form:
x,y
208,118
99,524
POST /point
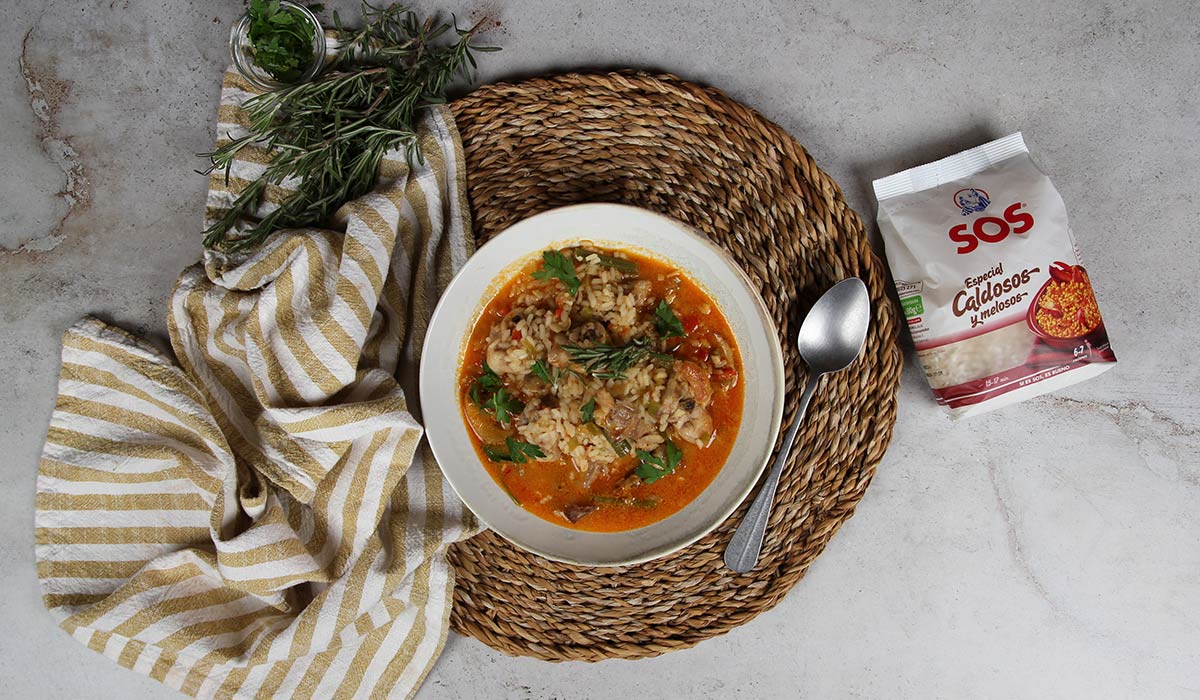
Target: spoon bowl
x,y
830,338
834,331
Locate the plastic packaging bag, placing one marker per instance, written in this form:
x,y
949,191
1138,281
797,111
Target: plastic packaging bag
x,y
990,279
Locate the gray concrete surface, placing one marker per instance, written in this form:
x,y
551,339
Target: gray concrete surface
x,y
1048,550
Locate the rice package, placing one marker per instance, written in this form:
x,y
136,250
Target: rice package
x,y
990,279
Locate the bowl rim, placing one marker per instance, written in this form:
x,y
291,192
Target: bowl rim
x,y
777,368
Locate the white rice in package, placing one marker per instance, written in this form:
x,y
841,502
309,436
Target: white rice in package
x,y
990,279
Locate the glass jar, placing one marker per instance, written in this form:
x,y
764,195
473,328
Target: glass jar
x,y
242,50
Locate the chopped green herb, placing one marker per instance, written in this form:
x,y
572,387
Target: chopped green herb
x,y
652,467
485,384
611,361
628,266
489,380
503,406
328,135
587,413
281,39
666,322
513,451
555,265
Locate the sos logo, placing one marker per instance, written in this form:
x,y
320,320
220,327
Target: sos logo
x,y
991,229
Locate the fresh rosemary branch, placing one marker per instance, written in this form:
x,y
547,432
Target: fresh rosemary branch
x,y
327,137
611,361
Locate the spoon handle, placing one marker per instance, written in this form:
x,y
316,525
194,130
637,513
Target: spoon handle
x,y
742,553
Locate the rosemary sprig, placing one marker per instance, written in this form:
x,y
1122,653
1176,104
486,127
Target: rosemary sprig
x,y
327,137
611,361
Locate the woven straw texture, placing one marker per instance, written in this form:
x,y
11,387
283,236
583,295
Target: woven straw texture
x,y
692,153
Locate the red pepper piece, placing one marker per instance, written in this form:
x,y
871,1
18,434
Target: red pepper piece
x,y
1062,272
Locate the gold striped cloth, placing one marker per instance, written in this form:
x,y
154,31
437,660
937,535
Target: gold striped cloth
x,y
258,517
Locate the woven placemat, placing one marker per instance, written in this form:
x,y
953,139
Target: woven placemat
x,y
690,152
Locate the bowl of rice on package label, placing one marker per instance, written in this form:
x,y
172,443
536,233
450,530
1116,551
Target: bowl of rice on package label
x,y
990,279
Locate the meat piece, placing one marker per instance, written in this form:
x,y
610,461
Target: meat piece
x,y
594,470
556,355
685,405
589,333
627,484
696,427
624,422
697,381
577,511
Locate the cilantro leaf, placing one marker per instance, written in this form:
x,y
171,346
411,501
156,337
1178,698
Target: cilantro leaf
x,y
587,412
513,451
666,322
555,265
651,467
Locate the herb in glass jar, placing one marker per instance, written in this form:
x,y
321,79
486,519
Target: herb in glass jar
x,y
281,38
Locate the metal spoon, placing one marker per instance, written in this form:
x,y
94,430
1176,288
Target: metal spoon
x,y
831,336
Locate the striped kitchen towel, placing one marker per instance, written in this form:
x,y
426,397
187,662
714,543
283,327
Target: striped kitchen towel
x,y
258,516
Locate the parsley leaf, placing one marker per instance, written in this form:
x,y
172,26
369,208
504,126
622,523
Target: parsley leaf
x,y
281,39
486,383
513,451
488,393
489,380
503,405
666,322
651,467
588,410
555,265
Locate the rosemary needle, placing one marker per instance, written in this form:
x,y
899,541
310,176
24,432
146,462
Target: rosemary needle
x,y
327,137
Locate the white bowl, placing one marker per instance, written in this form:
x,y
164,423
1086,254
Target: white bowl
x,y
617,226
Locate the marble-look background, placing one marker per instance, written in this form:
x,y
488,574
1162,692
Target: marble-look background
x,y
1048,550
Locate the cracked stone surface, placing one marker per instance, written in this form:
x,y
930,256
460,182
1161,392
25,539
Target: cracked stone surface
x,y
1051,549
